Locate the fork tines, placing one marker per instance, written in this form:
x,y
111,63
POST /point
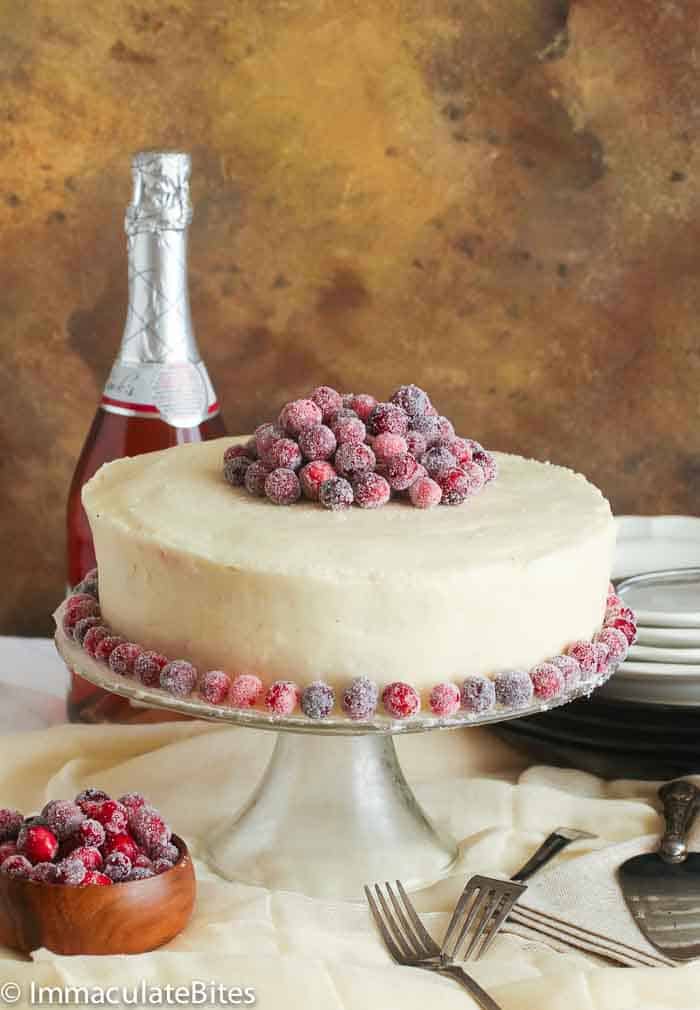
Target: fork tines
x,y
405,936
482,909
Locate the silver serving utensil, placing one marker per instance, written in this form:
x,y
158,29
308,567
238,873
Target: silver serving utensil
x,y
550,847
662,889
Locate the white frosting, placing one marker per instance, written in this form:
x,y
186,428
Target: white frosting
x,y
199,570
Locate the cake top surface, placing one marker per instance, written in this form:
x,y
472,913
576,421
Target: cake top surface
x,y
179,498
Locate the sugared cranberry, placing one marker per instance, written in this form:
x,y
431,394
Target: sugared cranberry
x,y
236,469
400,700
460,483
425,493
82,627
255,477
71,872
628,629
78,607
445,699
478,694
179,678
18,867
415,443
438,461
123,842
215,687
317,700
349,431
10,823
401,471
91,832
46,873
360,698
235,452
167,850
344,414
412,399
162,866
91,795
89,855
313,475
387,445
336,494
352,461
583,653
487,463
122,658
132,801
371,491
616,642
143,860
602,653
282,487
445,428
388,417
299,414
513,689
7,849
245,691
428,426
459,447
117,866
96,878
112,816
318,442
38,843
89,584
251,448
149,829
363,404
282,697
328,400
93,637
547,681
265,436
284,453
107,645
64,818
140,873
148,666
570,669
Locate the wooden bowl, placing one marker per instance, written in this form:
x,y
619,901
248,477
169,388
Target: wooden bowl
x,y
128,918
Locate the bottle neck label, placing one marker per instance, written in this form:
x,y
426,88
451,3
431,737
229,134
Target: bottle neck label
x,y
179,392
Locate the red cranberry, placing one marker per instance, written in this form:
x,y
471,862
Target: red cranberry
x,y
445,699
149,828
71,872
38,843
246,689
122,842
547,681
117,866
89,584
89,855
10,823
167,851
459,447
445,428
513,688
46,873
140,873
64,818
317,443
282,698
412,399
371,491
162,866
93,638
616,642
336,494
91,832
97,878
107,645
313,475
317,700
628,629
143,861
179,677
487,463
602,652
388,417
265,436
282,487
401,471
387,445
7,849
415,444
428,426
400,700
570,669
235,452
236,469
299,414
583,653
122,659
147,668
284,453
82,627
328,400
424,493
91,795
360,698
215,687
349,431
363,404
112,816
353,461
459,483
438,461
255,477
343,414
78,607
18,867
132,801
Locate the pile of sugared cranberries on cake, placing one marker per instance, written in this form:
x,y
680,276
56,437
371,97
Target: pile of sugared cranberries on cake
x,y
92,839
343,449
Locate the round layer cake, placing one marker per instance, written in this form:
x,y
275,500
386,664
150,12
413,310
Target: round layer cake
x,y
194,568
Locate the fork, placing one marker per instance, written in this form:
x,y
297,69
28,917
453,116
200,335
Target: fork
x,y
410,944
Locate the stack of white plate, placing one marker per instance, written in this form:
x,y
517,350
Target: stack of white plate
x,y
657,574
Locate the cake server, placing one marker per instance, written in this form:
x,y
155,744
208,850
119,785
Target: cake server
x,y
662,889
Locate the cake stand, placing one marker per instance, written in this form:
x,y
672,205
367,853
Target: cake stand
x,y
333,809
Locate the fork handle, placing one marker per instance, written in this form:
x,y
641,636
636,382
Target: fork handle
x,y
680,800
552,844
473,988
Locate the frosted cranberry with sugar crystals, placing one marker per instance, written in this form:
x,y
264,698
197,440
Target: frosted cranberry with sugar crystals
x,y
583,653
360,698
93,637
570,669
7,849
132,801
363,404
215,687
513,688
96,878
255,477
487,463
428,426
71,872
616,642
117,866
245,691
425,493
317,700
349,431
455,486
149,828
478,694
76,608
236,469
148,666
91,794
547,681
10,824
415,443
628,629
445,699
64,818
124,843
318,442
89,855
438,461
400,700
82,627
328,400
336,494
313,475
179,678
284,453
387,417
412,399
282,697
352,461
18,867
299,414
112,816
91,833
371,491
401,471
106,646
601,652
282,487
387,444
265,437
122,659
459,447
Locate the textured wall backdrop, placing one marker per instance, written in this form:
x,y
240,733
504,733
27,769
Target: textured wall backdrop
x,y
497,199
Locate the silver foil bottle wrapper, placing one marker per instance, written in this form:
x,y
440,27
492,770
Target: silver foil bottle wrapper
x,y
161,199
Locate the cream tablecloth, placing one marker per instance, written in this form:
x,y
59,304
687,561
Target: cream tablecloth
x,y
302,953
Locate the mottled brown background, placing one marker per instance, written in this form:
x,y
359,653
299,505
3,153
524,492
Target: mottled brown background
x,y
497,199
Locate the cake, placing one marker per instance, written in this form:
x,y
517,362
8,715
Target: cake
x,y
438,600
